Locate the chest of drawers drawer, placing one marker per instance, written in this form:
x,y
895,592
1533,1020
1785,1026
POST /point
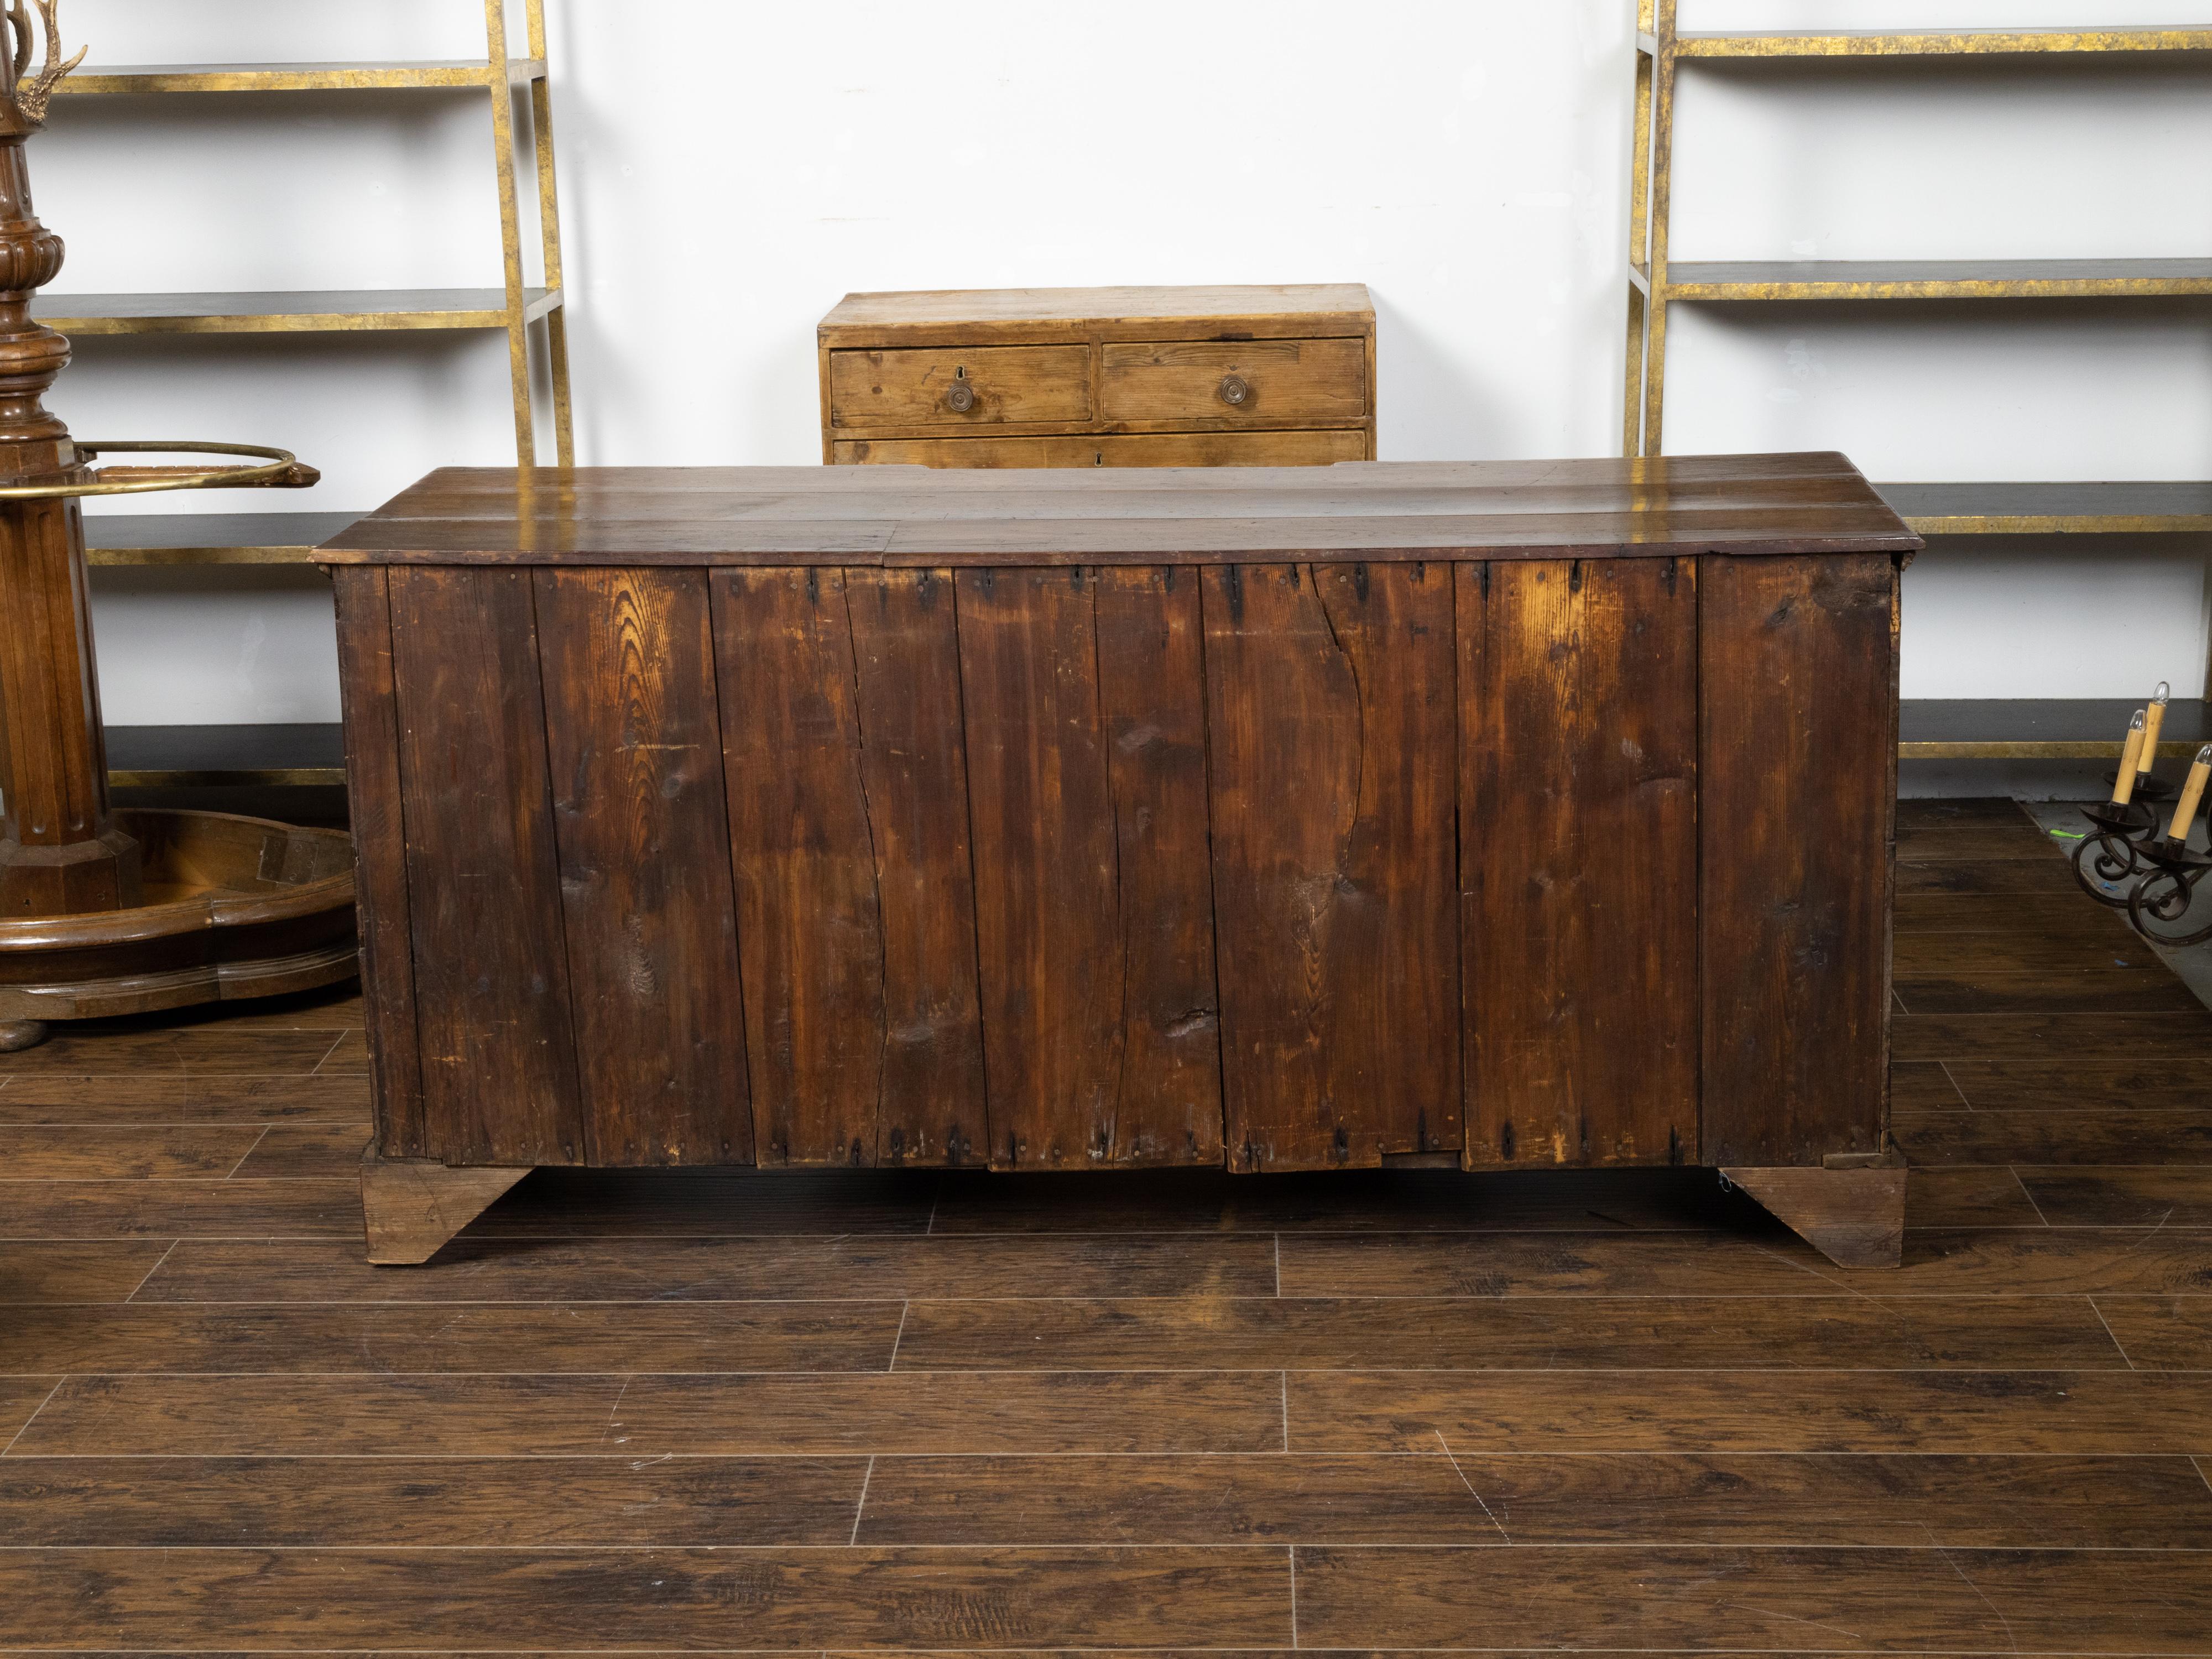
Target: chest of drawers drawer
x,y
953,385
1241,382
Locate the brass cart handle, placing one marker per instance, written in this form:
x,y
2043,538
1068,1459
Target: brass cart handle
x,y
280,470
1235,389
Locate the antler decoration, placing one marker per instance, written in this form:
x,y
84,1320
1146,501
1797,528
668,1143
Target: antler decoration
x,y
31,97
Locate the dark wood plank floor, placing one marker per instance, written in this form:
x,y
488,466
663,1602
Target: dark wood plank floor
x,y
1180,1411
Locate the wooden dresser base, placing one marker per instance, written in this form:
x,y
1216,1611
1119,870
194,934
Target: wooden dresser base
x,y
1854,1217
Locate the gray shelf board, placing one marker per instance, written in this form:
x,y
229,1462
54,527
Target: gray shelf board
x,y
2080,728
156,757
178,538
303,310
2086,507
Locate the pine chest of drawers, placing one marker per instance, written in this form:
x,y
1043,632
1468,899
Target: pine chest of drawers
x,y
1101,376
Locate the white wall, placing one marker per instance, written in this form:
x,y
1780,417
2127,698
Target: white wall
x,y
730,169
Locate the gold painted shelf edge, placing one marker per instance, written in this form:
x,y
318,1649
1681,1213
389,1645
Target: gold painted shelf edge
x,y
130,79
1752,281
2028,749
304,311
2138,41
297,777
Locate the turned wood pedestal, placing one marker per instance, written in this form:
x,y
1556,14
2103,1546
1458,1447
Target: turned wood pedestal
x,y
1504,815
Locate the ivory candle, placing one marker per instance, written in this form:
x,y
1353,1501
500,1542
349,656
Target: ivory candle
x,y
2149,757
2192,793
2124,780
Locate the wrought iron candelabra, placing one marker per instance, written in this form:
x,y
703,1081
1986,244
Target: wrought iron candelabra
x,y
2137,863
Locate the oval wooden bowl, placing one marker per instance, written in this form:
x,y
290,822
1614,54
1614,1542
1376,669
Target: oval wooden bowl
x,y
235,907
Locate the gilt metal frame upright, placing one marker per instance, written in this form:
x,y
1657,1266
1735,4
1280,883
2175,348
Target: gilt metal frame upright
x,y
1650,174
498,82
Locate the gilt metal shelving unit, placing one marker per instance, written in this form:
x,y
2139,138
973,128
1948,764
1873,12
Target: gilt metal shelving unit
x,y
1953,730
287,538
287,756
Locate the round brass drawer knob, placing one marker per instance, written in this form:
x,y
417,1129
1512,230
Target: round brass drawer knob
x,y
1235,389
960,397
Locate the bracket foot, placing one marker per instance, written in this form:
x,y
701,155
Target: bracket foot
x,y
1854,1216
413,1207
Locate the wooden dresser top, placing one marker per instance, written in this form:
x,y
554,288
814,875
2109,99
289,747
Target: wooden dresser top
x,y
980,316
913,515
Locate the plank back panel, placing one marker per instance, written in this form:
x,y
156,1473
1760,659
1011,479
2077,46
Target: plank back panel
x,y
1048,904
1333,734
1578,861
810,928
1152,686
914,772
1798,768
491,982
642,835
380,857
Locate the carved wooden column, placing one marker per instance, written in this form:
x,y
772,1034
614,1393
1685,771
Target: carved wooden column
x,y
60,852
